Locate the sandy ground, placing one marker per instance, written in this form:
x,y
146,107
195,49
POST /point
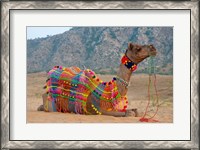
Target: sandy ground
x,y
137,96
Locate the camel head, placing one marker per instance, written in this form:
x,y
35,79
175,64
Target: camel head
x,y
138,53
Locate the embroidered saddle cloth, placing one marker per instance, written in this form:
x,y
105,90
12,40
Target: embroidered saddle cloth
x,y
75,90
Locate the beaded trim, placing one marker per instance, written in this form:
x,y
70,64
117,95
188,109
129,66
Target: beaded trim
x,y
128,63
122,81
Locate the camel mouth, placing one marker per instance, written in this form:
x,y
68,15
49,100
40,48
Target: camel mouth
x,y
152,53
151,50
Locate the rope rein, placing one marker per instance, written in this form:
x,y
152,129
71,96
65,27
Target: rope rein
x,y
151,109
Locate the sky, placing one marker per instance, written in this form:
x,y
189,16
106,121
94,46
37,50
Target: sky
x,y
39,32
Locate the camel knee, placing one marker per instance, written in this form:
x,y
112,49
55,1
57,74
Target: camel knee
x,y
40,108
131,112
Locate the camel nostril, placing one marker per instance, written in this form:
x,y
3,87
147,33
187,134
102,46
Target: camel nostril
x,y
152,52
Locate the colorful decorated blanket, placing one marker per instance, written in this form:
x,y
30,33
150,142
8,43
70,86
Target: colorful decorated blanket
x,y
79,91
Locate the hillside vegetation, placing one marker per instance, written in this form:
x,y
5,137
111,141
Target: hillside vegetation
x,y
99,48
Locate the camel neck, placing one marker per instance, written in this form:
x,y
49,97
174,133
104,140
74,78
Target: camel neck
x,y
125,74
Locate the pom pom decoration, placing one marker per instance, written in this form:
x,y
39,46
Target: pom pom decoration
x,y
69,88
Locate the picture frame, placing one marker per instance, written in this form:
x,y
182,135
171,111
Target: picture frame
x,y
6,83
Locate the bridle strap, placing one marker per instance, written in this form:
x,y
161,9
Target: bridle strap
x,y
128,57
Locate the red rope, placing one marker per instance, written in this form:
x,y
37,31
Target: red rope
x,y
144,118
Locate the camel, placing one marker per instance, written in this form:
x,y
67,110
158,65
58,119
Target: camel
x,y
79,91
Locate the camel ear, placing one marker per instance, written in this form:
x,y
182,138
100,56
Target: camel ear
x,y
130,46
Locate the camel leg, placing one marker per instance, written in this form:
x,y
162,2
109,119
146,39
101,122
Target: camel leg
x,y
128,113
45,102
113,113
40,108
91,111
131,112
44,98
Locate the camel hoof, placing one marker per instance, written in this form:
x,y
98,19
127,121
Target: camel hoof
x,y
40,108
131,112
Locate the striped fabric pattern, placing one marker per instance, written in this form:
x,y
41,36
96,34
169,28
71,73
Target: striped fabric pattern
x,y
69,90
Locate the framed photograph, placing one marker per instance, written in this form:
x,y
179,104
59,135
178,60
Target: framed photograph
x,y
99,74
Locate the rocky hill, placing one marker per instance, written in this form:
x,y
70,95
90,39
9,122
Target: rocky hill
x,y
99,48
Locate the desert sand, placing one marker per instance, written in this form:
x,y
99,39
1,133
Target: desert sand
x,y
137,97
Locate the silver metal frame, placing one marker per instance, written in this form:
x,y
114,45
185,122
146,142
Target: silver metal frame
x,y
6,143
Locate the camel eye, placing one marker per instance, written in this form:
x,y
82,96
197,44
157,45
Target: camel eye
x,y
138,48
